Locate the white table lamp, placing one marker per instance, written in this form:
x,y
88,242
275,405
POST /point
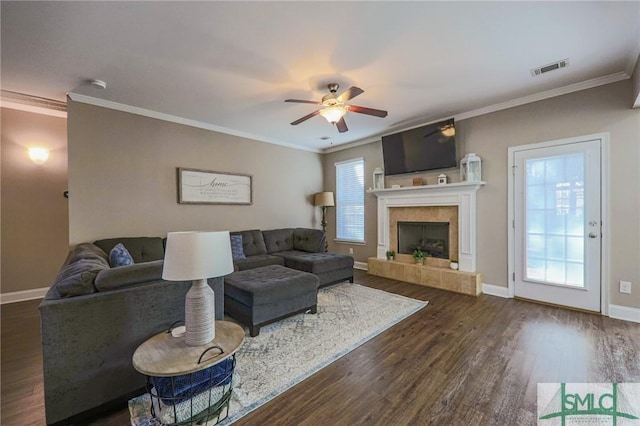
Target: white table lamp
x,y
197,256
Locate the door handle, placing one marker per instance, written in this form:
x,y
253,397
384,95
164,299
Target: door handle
x,y
593,235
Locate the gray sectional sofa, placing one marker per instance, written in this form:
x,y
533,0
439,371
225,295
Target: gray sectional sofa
x,y
94,316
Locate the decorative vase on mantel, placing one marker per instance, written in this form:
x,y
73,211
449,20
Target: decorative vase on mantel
x,y
418,256
391,254
454,265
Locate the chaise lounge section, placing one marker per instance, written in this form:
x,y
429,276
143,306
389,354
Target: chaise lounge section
x,y
295,248
278,273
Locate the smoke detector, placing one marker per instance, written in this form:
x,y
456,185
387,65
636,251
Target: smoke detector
x,y
550,67
98,84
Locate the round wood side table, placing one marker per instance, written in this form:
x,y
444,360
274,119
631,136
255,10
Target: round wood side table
x,y
190,384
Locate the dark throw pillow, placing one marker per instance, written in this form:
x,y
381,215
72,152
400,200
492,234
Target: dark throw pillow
x,y
119,256
237,252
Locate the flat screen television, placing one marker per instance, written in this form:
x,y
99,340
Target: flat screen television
x,y
424,148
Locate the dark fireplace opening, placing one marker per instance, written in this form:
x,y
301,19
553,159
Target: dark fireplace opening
x,y
430,237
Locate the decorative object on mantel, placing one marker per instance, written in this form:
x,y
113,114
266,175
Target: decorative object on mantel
x,y
453,264
419,256
196,256
442,179
471,168
324,200
417,181
391,254
378,178
395,186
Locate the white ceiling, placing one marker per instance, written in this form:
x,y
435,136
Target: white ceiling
x,y
231,65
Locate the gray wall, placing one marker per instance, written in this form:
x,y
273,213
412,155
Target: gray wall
x,y
602,109
122,177
35,232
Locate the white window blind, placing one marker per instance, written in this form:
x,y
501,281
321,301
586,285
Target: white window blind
x,y
350,200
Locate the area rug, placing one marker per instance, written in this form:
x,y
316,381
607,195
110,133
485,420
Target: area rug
x,y
290,350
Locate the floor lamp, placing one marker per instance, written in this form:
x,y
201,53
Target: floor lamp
x,y
196,256
324,199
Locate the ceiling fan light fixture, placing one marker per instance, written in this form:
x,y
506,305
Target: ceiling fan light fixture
x,y
448,131
334,113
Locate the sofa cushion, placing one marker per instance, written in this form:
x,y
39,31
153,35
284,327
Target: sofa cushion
x,y
316,263
142,249
311,240
278,240
114,278
237,252
87,251
76,279
269,284
252,242
257,261
119,256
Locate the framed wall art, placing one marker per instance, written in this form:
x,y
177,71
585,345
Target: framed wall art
x,y
209,187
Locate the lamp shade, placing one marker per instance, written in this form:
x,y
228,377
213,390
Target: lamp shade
x,y
197,255
324,199
333,113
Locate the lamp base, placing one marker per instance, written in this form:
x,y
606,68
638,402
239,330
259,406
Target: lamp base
x,y
199,314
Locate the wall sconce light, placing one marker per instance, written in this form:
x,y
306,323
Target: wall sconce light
x,y
39,155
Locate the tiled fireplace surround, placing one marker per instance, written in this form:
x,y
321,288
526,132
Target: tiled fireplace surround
x,y
453,203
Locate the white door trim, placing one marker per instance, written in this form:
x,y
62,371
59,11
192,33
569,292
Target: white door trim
x,y
604,213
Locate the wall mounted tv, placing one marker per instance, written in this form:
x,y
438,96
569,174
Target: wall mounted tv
x,y
424,148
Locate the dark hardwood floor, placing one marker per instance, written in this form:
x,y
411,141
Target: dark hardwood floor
x,y
460,361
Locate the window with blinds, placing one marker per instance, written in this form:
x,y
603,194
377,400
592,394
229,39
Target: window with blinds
x,y
350,200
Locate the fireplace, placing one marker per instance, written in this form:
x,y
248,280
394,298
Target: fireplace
x,y
452,203
432,238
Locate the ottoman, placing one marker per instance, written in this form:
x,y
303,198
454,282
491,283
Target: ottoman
x,y
259,296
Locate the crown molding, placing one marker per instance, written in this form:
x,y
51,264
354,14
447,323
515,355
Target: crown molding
x,y
76,97
588,84
349,145
34,104
547,94
33,109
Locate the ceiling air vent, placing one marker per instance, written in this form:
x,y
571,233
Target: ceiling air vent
x,y
550,67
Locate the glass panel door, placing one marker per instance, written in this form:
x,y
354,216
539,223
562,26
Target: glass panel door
x,y
556,223
555,219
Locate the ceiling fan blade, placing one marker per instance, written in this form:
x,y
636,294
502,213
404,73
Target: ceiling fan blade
x,y
341,125
350,93
306,117
368,111
300,101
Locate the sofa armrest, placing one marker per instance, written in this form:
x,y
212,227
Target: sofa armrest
x,y
124,276
88,342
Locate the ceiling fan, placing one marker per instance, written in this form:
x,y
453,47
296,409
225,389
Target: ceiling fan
x,y
334,107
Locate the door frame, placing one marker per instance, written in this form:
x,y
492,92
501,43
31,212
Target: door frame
x,y
605,241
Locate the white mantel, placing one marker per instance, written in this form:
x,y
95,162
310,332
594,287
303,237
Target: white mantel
x,y
462,195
